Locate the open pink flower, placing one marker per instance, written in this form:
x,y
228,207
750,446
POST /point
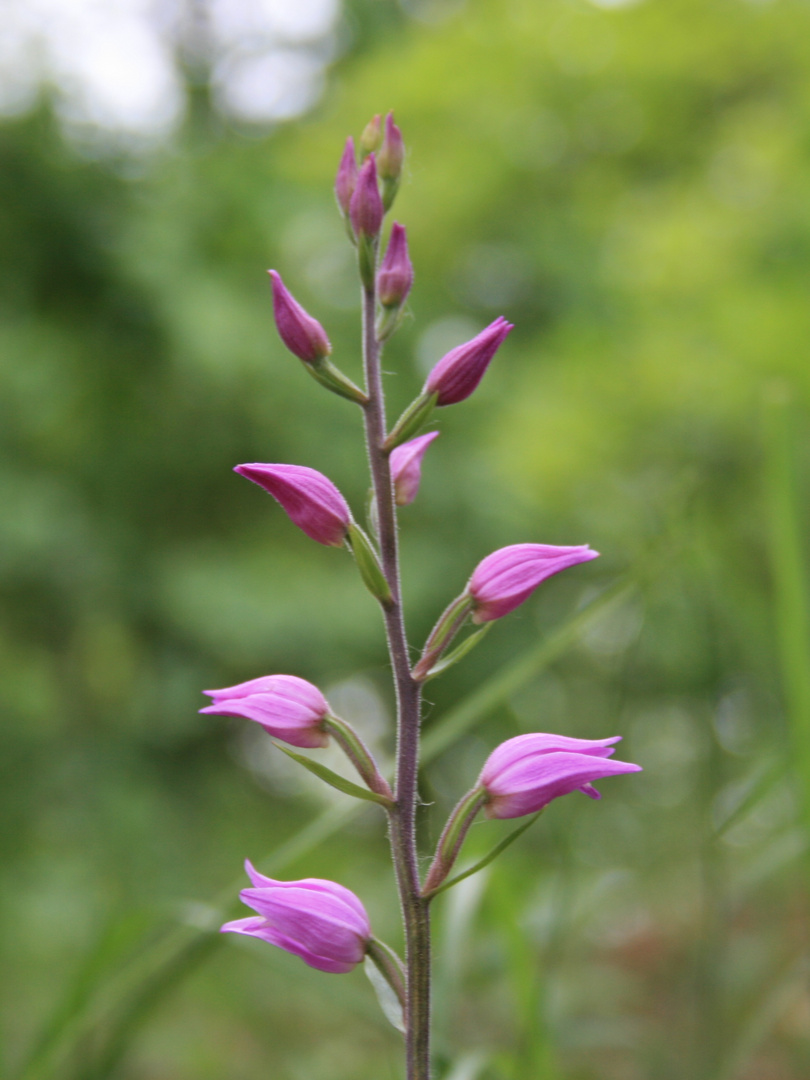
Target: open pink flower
x,y
303,335
459,372
525,773
312,501
320,921
504,579
406,467
289,708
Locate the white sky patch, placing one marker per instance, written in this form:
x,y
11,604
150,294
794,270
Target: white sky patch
x,y
113,63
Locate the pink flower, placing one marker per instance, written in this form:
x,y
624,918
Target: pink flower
x,y
320,921
312,501
504,579
366,207
406,467
459,372
303,335
346,178
525,773
392,152
395,276
289,708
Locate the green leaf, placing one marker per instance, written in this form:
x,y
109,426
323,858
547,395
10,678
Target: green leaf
x,y
487,859
333,778
459,652
389,1002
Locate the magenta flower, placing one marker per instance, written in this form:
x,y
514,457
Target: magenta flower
x,y
395,276
504,579
392,152
459,372
320,921
346,178
525,773
312,501
303,335
406,467
366,207
289,708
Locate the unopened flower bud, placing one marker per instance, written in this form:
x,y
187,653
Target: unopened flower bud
x,y
346,178
459,372
322,922
365,207
507,577
303,335
525,773
311,500
395,276
392,151
289,708
371,137
406,467
389,161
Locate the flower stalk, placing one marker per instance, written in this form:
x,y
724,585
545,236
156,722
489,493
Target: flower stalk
x,y
414,907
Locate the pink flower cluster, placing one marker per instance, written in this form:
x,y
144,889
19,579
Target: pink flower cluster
x,y
320,921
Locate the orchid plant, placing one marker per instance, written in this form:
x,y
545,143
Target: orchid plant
x,y
321,921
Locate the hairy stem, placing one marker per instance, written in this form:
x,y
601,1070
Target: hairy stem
x,y
415,912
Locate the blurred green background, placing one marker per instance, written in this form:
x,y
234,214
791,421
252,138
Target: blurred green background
x,y
629,185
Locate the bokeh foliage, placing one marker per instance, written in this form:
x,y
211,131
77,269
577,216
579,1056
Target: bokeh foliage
x,y
629,187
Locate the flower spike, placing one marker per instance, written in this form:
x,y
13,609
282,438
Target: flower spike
x,y
311,500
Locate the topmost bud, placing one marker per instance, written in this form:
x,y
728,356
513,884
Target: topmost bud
x,y
372,137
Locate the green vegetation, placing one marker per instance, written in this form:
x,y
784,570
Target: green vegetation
x,y
629,187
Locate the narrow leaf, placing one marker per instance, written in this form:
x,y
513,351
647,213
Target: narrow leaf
x,y
333,778
487,859
389,1002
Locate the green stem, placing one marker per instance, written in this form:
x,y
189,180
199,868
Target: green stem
x,y
402,816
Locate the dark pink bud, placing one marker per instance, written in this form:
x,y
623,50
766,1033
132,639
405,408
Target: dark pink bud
x,y
395,276
525,773
311,500
303,335
346,176
507,577
322,922
366,207
459,372
392,151
289,708
406,467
